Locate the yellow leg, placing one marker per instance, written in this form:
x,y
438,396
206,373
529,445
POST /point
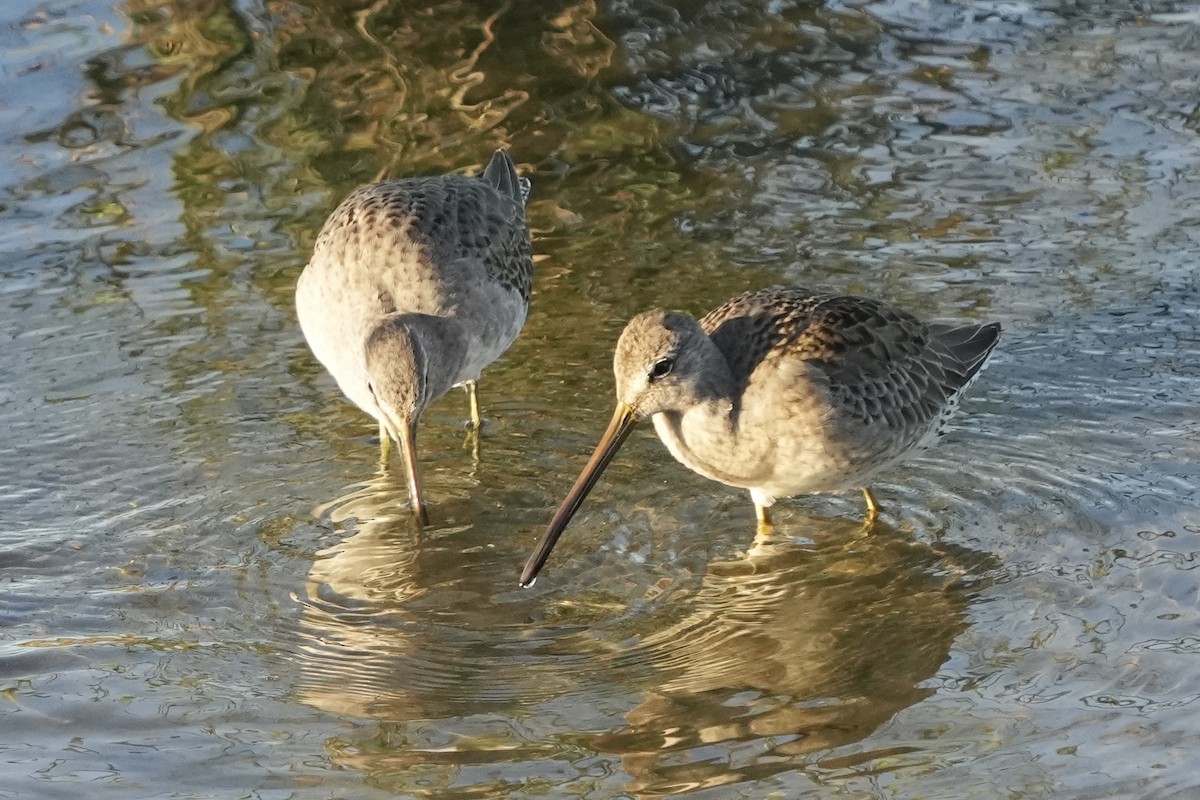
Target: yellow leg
x,y
764,519
473,401
872,505
385,445
473,443
472,440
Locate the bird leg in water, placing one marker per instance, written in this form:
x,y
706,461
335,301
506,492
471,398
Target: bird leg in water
x,y
764,520
872,505
472,440
473,402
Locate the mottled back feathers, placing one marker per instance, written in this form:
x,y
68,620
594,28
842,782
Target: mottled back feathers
x,y
877,362
443,219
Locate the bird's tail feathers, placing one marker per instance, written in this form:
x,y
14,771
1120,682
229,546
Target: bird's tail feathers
x,y
970,345
501,173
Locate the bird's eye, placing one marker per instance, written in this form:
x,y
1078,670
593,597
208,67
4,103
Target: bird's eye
x,y
662,368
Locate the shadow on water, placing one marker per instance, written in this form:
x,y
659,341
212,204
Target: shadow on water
x,y
721,674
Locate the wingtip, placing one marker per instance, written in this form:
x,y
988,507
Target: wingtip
x,y
501,173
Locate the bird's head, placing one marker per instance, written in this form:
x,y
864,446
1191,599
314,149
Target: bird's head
x,y
664,361
396,372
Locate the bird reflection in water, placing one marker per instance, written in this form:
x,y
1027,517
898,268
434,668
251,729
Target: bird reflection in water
x,y
792,652
737,672
397,626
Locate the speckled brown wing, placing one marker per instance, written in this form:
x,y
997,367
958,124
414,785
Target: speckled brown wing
x,y
877,362
754,325
450,218
488,212
880,365
506,235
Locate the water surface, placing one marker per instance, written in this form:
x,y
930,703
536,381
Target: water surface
x,y
211,590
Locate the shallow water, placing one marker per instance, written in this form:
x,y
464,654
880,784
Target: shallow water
x,y
211,591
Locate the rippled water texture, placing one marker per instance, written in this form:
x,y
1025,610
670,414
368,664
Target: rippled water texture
x,y
209,589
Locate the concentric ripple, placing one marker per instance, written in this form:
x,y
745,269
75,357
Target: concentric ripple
x,y
771,650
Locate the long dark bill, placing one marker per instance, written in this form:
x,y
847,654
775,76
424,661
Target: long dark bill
x,y
618,430
408,449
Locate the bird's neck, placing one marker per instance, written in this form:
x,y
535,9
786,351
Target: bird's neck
x,y
704,425
704,437
444,345
713,390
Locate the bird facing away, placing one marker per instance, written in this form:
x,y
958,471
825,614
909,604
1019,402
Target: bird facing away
x,y
415,285
784,392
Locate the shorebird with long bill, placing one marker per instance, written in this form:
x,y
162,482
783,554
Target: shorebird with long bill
x,y
414,286
784,392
